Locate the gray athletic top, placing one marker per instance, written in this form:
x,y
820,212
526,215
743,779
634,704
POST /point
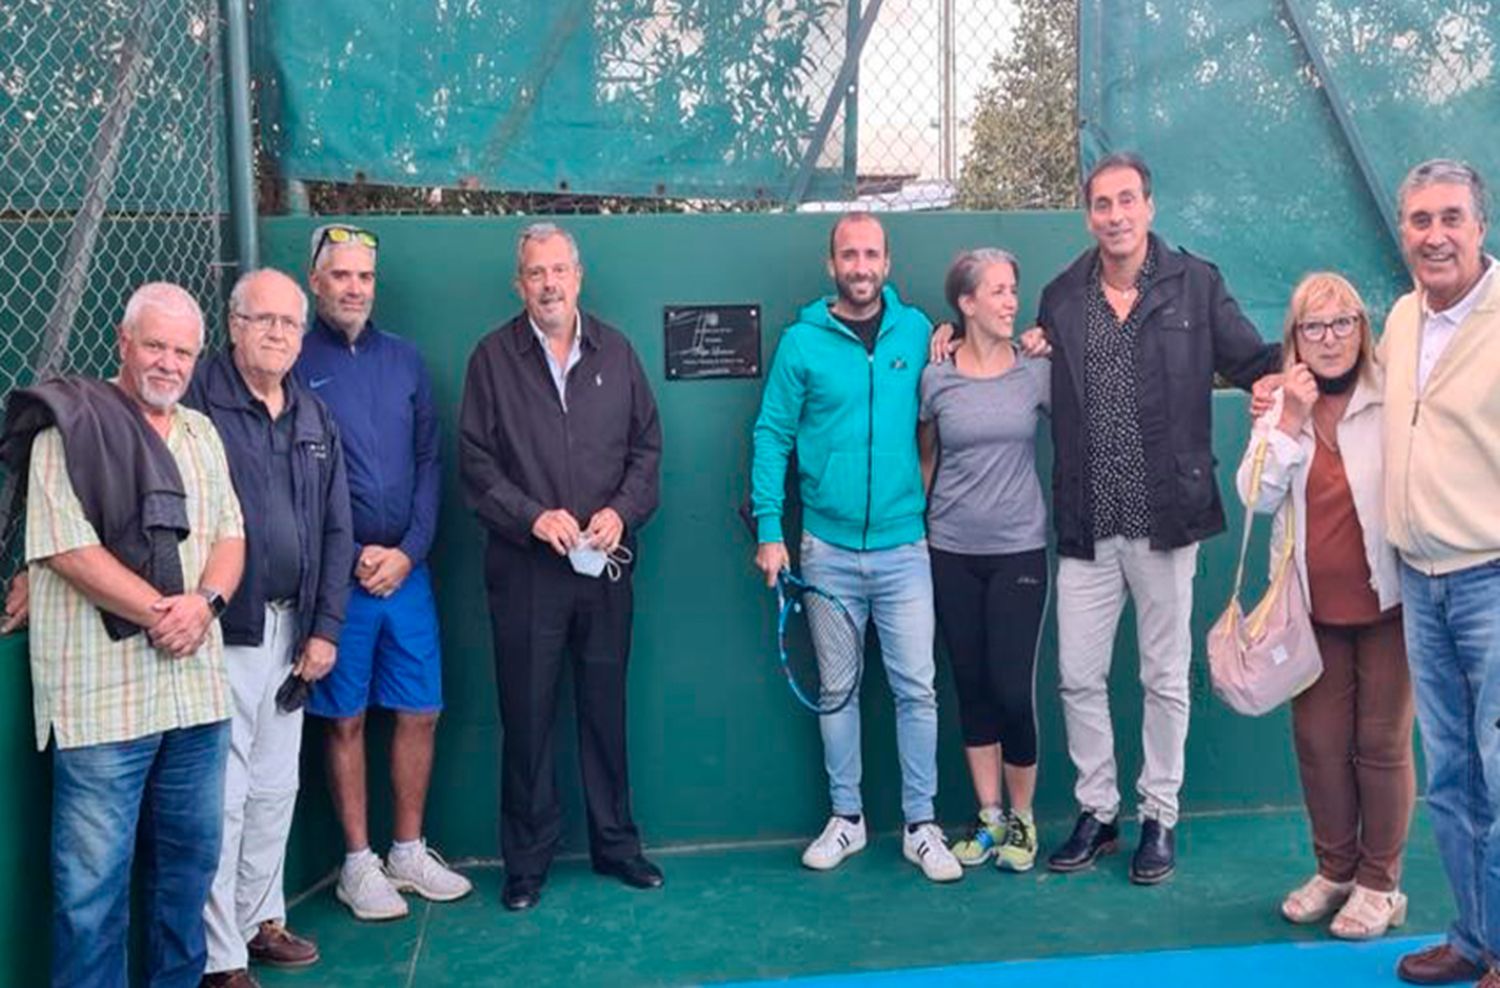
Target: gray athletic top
x,y
986,498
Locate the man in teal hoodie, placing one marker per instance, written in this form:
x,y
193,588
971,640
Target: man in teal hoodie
x,y
843,393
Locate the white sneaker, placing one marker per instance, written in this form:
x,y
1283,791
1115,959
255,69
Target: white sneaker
x,y
926,849
837,841
424,872
364,888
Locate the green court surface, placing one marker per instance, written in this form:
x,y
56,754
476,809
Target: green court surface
x,y
752,912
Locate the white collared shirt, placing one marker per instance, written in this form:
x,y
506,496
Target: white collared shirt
x,y
1439,328
560,374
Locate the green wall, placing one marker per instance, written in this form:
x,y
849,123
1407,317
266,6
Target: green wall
x,y
718,750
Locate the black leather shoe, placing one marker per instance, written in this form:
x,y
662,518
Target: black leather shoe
x,y
635,871
1156,857
1089,840
521,893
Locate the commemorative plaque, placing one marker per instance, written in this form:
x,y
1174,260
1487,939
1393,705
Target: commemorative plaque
x,y
708,341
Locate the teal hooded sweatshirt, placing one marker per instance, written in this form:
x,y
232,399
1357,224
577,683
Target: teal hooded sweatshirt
x,y
851,416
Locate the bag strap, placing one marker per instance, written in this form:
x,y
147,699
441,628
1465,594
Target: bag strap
x,y
1287,543
1256,468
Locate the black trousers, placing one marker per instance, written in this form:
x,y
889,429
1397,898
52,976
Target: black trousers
x,y
541,613
989,611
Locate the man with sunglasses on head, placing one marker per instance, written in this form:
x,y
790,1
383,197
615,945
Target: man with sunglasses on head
x,y
378,389
281,627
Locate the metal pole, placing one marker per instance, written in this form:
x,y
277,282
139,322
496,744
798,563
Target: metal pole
x,y
240,146
851,109
98,190
947,128
841,88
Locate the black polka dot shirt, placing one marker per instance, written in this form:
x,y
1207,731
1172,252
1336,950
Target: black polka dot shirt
x,y
1117,459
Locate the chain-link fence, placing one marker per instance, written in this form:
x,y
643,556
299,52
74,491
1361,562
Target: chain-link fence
x,y
110,172
665,105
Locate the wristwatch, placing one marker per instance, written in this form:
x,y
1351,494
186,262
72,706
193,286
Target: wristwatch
x,y
216,601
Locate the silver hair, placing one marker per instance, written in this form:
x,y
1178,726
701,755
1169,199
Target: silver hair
x,y
967,270
243,284
545,231
162,297
1446,171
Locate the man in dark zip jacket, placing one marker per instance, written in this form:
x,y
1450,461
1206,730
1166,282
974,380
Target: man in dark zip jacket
x,y
843,392
1137,332
288,471
560,457
376,386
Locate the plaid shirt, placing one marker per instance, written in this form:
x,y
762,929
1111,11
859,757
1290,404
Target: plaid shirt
x,y
90,690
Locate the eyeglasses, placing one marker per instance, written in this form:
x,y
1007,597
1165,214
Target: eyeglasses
x,y
344,235
264,322
1341,326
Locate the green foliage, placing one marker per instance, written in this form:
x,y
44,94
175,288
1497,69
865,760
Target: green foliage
x,y
1024,150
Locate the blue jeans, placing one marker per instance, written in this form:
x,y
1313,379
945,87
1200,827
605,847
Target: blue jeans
x,y
1453,646
892,587
173,783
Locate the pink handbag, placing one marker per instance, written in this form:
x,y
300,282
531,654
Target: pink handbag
x,y
1258,662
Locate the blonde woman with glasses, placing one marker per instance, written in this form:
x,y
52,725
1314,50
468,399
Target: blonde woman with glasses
x,y
1353,727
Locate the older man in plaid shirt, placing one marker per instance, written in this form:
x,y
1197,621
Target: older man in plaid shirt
x,y
140,725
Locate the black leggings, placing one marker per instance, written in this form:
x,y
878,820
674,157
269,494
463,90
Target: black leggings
x,y
989,610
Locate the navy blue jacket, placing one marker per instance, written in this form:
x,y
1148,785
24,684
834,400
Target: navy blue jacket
x,y
320,491
1191,328
379,392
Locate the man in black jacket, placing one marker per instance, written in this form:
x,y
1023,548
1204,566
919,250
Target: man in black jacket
x,y
288,471
560,453
1137,332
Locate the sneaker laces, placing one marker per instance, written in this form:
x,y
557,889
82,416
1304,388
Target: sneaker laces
x,y
1016,832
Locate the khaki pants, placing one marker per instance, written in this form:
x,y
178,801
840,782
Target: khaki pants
x,y
1090,597
260,792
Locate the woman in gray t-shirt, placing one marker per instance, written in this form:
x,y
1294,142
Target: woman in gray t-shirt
x,y
986,530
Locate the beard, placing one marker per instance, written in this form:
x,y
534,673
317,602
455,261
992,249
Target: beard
x,y
158,395
859,291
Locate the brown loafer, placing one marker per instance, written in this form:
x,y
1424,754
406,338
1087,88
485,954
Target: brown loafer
x,y
229,979
1438,965
276,946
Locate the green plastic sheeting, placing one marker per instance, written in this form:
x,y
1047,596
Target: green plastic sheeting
x,y
631,97
1254,166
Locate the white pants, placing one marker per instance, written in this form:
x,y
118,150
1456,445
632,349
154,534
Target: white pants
x,y
260,792
1090,597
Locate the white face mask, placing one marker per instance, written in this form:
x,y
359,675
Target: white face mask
x,y
589,560
586,559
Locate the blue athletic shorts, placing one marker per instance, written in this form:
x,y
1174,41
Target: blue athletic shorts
x,y
389,654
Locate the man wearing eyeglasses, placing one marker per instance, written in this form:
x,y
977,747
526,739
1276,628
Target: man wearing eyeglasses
x,y
283,624
378,389
560,455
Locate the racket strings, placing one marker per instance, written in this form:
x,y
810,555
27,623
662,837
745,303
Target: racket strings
x,y
831,673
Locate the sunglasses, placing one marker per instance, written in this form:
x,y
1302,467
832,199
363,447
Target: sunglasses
x,y
344,235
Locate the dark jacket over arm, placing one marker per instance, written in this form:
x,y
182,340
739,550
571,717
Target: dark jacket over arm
x,y
521,453
1190,328
126,480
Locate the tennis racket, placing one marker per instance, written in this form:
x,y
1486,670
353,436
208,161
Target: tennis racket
x,y
822,652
